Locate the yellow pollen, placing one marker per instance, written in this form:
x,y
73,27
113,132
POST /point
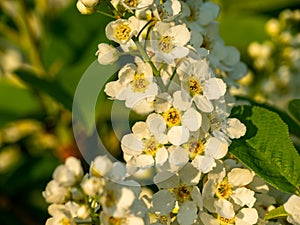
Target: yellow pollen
x,y
114,220
139,83
225,221
163,219
131,3
122,32
151,146
195,148
166,44
172,117
194,86
65,221
224,189
183,193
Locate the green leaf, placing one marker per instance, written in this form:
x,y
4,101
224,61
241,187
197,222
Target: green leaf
x,y
52,88
294,109
269,152
275,213
16,103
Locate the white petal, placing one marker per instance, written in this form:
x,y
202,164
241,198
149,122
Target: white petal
x,y
243,196
197,198
189,175
166,180
178,157
113,88
246,216
163,202
208,219
234,128
292,206
144,161
140,130
131,145
181,34
118,171
178,135
191,119
187,213
156,124
240,177
224,208
203,103
214,88
181,103
216,148
204,163
161,156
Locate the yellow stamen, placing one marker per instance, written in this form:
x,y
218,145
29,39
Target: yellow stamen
x,y
122,32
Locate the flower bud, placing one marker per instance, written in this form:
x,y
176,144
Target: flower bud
x,y
90,3
83,9
107,54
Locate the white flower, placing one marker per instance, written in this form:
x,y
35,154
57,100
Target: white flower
x,y
70,173
246,216
117,199
230,187
107,54
182,187
61,214
135,83
92,186
145,146
55,193
122,30
204,151
198,86
168,42
292,207
168,10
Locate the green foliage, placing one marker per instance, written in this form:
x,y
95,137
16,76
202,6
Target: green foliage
x,y
52,88
267,149
275,213
294,109
16,103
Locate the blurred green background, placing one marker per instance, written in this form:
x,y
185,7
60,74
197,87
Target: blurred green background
x,y
35,108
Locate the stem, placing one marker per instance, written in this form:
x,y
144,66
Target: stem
x,y
105,14
172,77
144,27
112,8
147,59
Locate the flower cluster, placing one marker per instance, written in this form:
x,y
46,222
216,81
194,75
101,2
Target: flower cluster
x,y
102,194
277,60
178,79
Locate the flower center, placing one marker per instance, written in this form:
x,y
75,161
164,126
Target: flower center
x,y
166,44
151,146
139,83
194,147
224,189
114,220
65,221
131,3
194,86
225,221
122,32
183,193
172,117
